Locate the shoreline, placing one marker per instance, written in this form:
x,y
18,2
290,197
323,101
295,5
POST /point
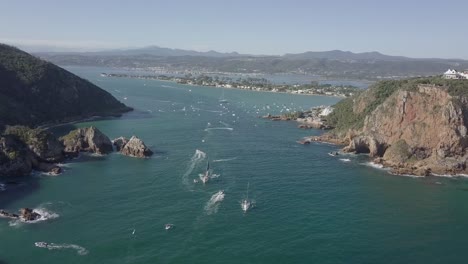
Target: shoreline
x,y
379,164
223,87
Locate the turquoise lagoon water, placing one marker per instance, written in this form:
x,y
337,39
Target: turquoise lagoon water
x,y
310,207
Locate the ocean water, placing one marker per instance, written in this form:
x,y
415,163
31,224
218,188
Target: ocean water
x,y
309,207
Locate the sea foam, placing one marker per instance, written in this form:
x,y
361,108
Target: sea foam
x,y
52,246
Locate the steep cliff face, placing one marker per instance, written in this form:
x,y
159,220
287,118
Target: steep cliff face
x,y
23,149
415,129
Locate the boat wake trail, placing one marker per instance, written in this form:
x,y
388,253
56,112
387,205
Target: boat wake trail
x,y
223,160
212,205
224,124
52,246
219,128
207,110
198,157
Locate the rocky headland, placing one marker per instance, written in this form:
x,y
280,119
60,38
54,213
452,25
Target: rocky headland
x,y
415,126
23,149
313,118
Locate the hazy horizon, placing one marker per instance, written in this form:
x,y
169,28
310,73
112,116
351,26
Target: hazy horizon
x,y
399,28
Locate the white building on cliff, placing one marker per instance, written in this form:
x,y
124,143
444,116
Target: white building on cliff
x,y
453,74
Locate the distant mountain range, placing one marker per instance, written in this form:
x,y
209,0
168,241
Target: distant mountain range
x,y
154,51
345,55
328,64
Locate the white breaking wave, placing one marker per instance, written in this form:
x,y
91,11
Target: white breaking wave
x,y
52,246
45,215
345,160
374,165
222,160
2,187
212,205
198,157
219,128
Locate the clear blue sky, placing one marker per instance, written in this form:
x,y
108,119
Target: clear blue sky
x,y
410,28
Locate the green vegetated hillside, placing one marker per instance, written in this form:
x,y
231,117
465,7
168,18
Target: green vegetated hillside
x,y
350,113
33,92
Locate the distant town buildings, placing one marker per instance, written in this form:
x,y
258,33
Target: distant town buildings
x,y
453,74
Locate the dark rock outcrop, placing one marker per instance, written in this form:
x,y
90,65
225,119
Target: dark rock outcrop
x,y
15,158
18,159
6,214
119,143
42,143
28,214
135,147
88,139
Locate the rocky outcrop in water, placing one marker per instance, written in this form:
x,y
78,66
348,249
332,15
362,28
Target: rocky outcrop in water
x,y
134,147
89,139
23,150
6,214
20,153
45,146
26,214
416,129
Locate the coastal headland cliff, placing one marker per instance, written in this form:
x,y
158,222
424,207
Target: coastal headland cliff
x,y
34,92
415,126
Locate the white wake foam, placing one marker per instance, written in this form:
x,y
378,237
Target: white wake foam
x,y
224,124
52,246
207,110
212,205
374,165
223,160
219,128
198,157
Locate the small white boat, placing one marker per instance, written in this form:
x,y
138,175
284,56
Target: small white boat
x,y
206,177
246,204
168,226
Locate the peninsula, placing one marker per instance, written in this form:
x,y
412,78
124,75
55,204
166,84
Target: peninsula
x,y
254,84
